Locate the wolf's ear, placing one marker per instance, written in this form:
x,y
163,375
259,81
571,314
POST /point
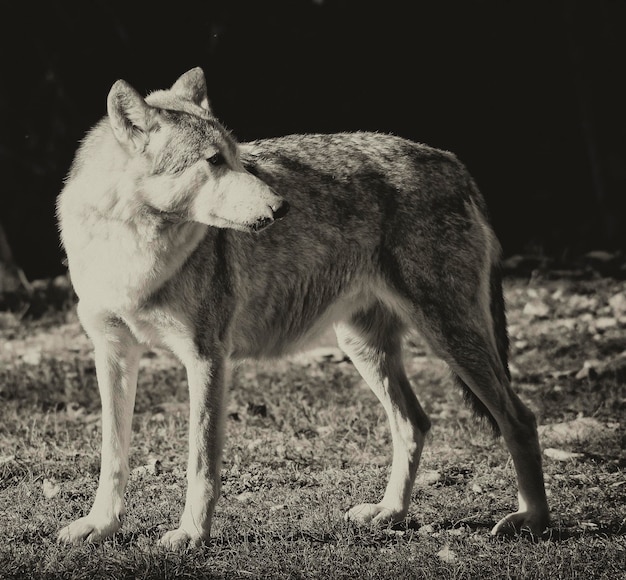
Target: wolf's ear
x,y
192,86
129,115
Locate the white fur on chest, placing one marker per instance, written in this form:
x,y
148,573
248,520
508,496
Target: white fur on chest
x,y
118,266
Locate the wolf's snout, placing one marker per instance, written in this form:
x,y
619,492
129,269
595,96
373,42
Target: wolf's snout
x,y
280,209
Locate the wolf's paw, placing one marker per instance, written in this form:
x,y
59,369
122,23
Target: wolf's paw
x,y
179,539
374,513
522,521
88,529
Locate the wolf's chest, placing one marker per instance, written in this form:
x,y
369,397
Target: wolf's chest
x,y
120,269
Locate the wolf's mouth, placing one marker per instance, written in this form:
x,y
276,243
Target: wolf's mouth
x,y
261,224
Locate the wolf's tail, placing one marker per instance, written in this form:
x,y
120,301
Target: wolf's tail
x,y
498,316
497,313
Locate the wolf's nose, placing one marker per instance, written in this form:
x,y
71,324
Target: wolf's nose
x,y
280,210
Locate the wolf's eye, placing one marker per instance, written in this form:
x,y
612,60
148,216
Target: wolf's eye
x,y
217,159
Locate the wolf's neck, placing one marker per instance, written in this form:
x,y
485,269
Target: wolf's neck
x,y
125,257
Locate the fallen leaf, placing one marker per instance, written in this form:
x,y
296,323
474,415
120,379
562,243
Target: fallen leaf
x,y
50,489
324,431
74,411
618,303
153,467
32,357
536,309
588,370
589,525
604,323
560,454
594,368
244,496
577,430
581,303
447,555
427,530
428,477
392,532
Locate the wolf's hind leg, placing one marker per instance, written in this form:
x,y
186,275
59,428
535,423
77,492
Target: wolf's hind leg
x,y
518,427
372,340
463,341
117,362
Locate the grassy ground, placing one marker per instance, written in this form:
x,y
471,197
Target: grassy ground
x,y
306,440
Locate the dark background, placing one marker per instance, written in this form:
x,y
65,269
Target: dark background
x,y
529,94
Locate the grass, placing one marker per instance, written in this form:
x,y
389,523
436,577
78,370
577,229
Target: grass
x,y
306,440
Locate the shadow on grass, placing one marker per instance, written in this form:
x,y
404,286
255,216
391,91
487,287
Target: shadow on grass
x,y
609,531
555,534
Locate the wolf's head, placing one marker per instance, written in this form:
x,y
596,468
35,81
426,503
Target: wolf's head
x,y
187,165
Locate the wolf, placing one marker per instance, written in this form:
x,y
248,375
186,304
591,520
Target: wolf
x,y
178,236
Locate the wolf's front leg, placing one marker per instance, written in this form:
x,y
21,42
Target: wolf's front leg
x,y
117,356
206,402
